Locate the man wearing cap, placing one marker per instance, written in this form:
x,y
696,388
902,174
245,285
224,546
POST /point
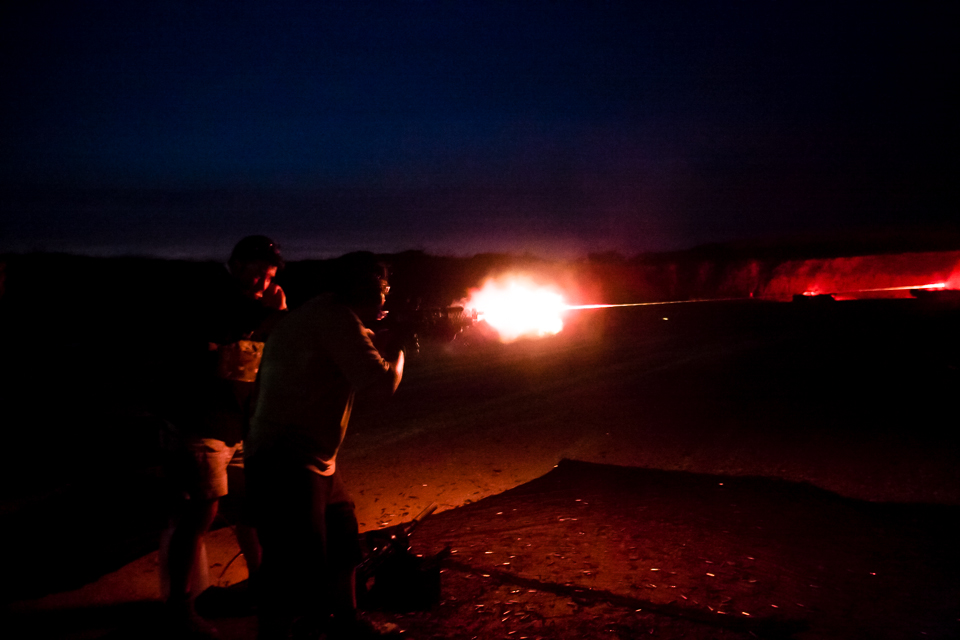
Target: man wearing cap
x,y
216,385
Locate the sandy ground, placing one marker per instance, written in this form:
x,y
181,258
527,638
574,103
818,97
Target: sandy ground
x,y
744,471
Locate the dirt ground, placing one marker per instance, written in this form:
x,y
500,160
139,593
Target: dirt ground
x,y
738,472
599,551
593,551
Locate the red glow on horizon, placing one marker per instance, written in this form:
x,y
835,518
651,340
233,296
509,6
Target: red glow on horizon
x,y
852,294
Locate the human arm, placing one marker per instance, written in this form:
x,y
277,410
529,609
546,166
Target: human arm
x,y
274,298
274,301
390,384
392,361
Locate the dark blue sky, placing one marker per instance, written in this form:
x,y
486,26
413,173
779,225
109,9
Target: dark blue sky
x,y
558,128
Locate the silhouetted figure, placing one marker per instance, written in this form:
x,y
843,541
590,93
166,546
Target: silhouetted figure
x,y
216,384
315,361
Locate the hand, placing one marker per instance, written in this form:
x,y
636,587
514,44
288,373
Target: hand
x,y
274,298
389,342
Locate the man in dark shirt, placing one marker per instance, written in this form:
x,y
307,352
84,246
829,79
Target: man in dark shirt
x,y
216,387
320,355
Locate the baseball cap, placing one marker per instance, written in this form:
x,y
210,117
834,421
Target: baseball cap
x,y
255,248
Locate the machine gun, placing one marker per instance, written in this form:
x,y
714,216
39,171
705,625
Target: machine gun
x,y
444,323
390,577
404,327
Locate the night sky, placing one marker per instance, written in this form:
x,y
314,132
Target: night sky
x,y
555,128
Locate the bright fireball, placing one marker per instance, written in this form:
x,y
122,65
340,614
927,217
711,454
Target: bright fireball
x,y
516,306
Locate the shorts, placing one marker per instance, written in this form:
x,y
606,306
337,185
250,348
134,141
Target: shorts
x,y
204,468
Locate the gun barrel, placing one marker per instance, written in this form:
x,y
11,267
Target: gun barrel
x,y
398,543
423,515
